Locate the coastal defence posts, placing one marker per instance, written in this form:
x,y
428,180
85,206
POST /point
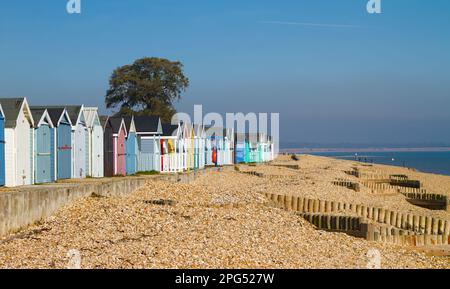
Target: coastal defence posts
x,y
380,183
371,223
24,206
417,197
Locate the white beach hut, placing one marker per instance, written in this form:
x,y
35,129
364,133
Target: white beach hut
x,y
228,147
94,163
80,141
19,133
199,146
148,133
171,158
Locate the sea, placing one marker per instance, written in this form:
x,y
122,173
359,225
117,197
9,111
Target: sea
x,y
437,162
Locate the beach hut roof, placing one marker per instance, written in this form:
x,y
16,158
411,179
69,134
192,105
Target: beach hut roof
x,y
91,116
12,108
148,125
74,111
39,116
117,123
129,123
56,113
103,120
169,129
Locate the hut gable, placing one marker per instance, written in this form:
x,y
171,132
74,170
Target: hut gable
x,y
188,131
12,109
117,124
199,131
91,117
57,115
129,124
75,114
104,121
41,117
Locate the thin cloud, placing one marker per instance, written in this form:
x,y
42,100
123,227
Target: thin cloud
x,y
311,24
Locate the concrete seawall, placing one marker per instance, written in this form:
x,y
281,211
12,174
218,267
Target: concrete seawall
x,y
24,206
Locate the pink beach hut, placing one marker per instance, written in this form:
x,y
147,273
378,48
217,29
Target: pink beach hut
x,y
115,153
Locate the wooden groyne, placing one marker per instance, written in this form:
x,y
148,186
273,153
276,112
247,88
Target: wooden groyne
x,y
371,223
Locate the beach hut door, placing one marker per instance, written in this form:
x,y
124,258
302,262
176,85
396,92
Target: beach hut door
x,y
43,154
64,151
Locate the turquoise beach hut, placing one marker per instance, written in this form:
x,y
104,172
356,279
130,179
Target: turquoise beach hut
x,y
241,148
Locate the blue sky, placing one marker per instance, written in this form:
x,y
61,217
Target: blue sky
x,y
334,72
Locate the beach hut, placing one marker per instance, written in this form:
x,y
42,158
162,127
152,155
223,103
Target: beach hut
x,y
270,154
252,149
265,148
114,144
210,148
228,147
148,132
107,158
80,139
63,128
215,146
171,158
199,146
94,163
18,141
2,147
188,141
44,146
131,146
241,147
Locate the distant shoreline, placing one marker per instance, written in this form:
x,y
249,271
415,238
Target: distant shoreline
x,y
362,150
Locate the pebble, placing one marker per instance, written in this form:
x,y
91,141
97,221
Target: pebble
x,y
220,220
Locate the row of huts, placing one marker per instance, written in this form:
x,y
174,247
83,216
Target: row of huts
x,y
42,144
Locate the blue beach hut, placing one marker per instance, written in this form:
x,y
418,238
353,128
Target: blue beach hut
x,y
63,127
131,147
44,146
2,147
241,148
